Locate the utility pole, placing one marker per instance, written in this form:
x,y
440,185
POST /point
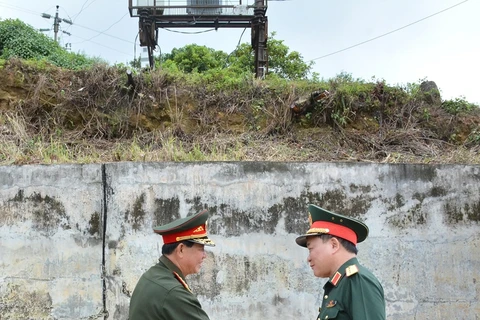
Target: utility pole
x,y
56,23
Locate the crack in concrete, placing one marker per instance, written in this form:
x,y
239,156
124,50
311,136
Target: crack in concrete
x,y
104,245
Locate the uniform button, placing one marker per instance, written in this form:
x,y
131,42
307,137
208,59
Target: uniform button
x,y
326,297
326,317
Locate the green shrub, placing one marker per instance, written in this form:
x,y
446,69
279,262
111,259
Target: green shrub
x,y
458,105
20,40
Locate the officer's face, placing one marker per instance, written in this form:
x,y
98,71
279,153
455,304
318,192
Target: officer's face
x,y
194,258
319,256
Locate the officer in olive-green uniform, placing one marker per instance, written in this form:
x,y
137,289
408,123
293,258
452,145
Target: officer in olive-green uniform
x,y
162,292
352,291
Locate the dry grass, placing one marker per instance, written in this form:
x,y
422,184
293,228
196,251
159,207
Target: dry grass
x,y
93,116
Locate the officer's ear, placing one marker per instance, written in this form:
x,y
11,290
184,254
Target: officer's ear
x,y
180,248
335,244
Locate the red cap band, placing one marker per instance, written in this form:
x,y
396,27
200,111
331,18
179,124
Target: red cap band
x,y
334,230
193,233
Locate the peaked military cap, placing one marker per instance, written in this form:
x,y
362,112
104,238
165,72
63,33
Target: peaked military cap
x,y
325,222
191,228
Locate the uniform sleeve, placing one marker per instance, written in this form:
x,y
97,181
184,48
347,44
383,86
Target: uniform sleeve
x,y
367,299
181,304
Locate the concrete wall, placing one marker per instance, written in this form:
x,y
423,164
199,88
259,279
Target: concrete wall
x,y
74,239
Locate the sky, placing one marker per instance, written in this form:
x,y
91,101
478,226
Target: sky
x,y
399,41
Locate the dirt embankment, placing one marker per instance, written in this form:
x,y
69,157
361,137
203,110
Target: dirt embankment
x,y
98,115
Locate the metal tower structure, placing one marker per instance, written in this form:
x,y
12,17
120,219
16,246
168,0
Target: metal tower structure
x,y
155,14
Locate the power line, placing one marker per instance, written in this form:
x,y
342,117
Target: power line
x,y
83,8
9,6
194,32
100,32
78,25
106,34
99,44
390,32
103,32
69,18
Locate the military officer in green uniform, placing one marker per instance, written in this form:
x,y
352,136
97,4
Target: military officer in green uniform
x,y
162,292
352,291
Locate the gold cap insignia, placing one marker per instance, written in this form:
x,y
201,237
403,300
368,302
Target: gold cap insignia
x,y
199,229
310,222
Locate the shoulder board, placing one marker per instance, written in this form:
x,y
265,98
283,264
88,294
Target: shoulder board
x,y
182,281
351,270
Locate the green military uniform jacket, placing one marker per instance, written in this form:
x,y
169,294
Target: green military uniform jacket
x,y
162,294
353,293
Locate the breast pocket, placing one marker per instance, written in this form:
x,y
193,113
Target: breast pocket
x,y
329,313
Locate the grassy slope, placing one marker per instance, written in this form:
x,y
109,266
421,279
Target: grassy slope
x,y
49,115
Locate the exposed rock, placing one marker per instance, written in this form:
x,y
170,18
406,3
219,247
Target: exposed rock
x,y
431,92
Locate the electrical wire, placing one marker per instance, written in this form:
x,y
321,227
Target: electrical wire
x,y
82,8
135,46
103,32
78,25
99,44
9,6
183,32
239,40
234,50
388,33
106,34
70,18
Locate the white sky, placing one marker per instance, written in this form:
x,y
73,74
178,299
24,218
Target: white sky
x,y
444,48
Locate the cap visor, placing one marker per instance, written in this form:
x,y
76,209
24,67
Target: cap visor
x,y
302,241
205,241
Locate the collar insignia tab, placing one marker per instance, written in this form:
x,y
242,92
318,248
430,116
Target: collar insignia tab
x,y
336,278
351,270
182,281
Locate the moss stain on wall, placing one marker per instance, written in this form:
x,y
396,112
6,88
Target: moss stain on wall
x,y
94,224
135,216
21,303
468,212
166,210
48,213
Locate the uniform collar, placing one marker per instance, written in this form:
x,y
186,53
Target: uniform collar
x,y
337,276
170,265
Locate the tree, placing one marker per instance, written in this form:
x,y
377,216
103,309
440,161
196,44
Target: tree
x,y
193,57
281,61
23,41
20,40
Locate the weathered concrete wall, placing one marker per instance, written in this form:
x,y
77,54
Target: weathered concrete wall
x,y
50,242
424,242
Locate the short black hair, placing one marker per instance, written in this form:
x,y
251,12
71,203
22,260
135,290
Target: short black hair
x,y
170,247
349,246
